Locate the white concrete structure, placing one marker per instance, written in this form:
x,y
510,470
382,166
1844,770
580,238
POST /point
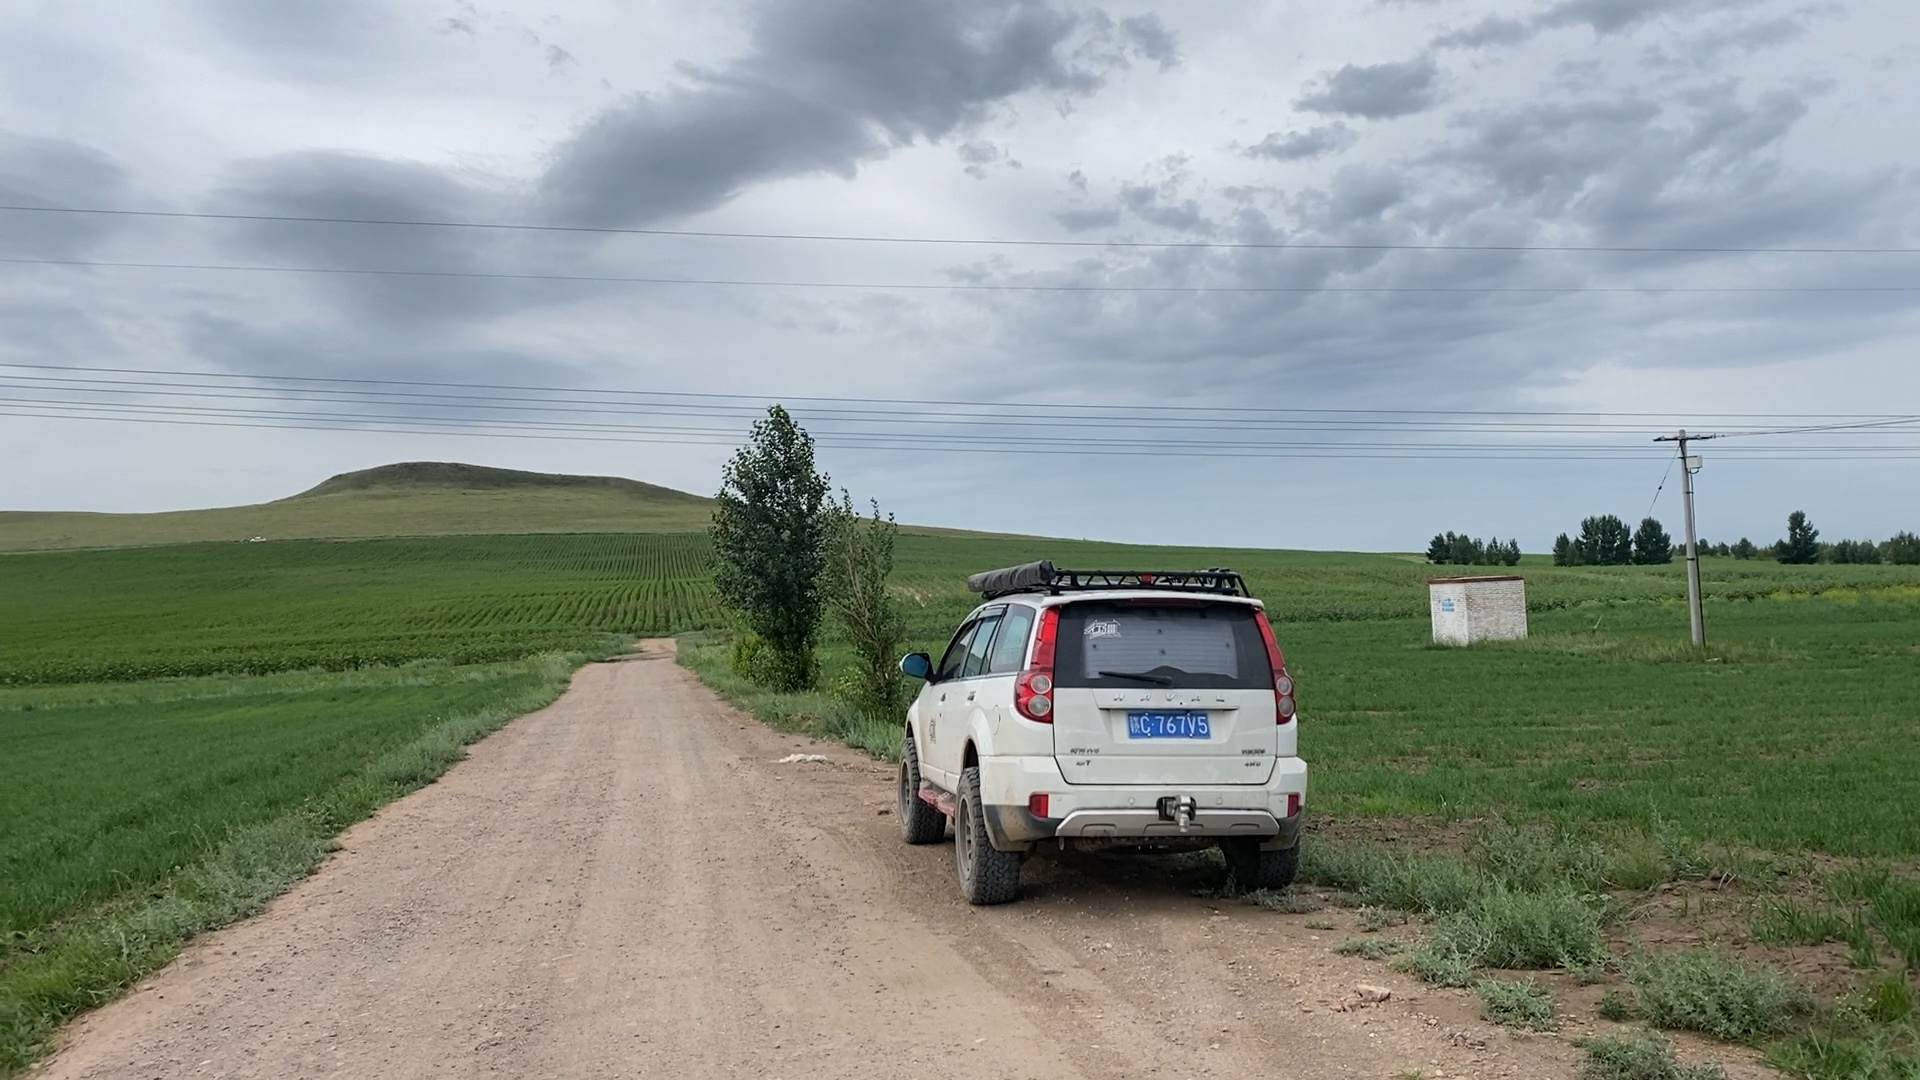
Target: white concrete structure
x,y
1470,609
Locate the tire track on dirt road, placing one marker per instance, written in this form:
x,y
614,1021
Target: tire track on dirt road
x,y
626,883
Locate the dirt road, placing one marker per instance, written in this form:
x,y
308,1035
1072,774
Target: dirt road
x,y
626,884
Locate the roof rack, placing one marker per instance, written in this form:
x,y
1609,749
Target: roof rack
x,y
1043,576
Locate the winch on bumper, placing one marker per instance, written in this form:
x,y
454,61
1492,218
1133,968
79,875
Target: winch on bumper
x,y
1088,816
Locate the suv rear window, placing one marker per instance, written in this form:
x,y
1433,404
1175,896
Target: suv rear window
x,y
1197,646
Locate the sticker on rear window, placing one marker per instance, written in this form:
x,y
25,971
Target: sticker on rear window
x,y
1103,628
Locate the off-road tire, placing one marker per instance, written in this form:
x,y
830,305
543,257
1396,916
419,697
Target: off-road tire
x,y
920,823
987,874
1252,868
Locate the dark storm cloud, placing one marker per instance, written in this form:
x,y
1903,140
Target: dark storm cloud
x,y
56,172
827,85
1702,170
1614,16
327,184
1304,145
1081,219
1377,91
1151,39
1154,206
330,349
1492,30
1702,167
1603,17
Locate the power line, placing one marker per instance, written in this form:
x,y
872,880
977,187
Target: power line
x,y
1663,486
974,286
1009,446
711,234
879,440
234,391
1049,407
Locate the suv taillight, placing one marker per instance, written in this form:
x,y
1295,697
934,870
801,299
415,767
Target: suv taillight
x,y
1033,690
1283,707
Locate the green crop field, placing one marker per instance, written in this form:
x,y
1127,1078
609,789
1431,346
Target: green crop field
x,y
200,609
185,724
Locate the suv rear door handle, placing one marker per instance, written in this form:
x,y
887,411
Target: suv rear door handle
x,y
970,694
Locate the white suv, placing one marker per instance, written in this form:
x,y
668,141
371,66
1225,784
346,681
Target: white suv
x,y
1105,709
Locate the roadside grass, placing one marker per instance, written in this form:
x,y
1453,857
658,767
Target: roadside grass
x,y
1370,948
149,821
1517,1003
814,713
1641,1056
1706,991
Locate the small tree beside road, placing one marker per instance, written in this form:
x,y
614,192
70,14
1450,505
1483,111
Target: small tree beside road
x,y
859,562
769,544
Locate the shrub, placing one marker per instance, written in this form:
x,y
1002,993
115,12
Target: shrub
x,y
1517,1003
859,562
1644,1056
1705,991
1538,859
1501,928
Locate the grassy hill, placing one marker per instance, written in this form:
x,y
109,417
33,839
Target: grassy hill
x,y
421,498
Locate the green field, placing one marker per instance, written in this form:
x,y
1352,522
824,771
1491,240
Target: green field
x,y
137,814
1778,738
201,609
186,724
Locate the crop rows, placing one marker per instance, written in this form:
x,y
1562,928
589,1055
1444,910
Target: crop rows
x,y
198,609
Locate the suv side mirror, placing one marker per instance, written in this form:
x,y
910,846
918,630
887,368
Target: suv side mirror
x,y
919,665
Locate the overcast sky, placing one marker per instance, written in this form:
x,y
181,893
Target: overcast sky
x,y
1637,124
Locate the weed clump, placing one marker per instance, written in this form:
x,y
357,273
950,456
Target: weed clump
x,y
1514,930
1644,1056
1427,885
1517,1003
1715,995
1373,919
1893,903
1538,859
1615,1006
1828,1057
1370,948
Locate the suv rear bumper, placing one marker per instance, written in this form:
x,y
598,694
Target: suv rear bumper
x,y
1123,812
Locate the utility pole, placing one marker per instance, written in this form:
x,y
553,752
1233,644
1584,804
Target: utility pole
x,y
1690,464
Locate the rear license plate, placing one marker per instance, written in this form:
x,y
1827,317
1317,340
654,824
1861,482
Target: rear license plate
x,y
1168,725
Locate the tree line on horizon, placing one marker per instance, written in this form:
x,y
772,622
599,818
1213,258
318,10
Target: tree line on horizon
x,y
1604,540
1459,549
1803,546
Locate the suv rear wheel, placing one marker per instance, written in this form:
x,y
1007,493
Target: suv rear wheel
x,y
987,874
920,823
1253,868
